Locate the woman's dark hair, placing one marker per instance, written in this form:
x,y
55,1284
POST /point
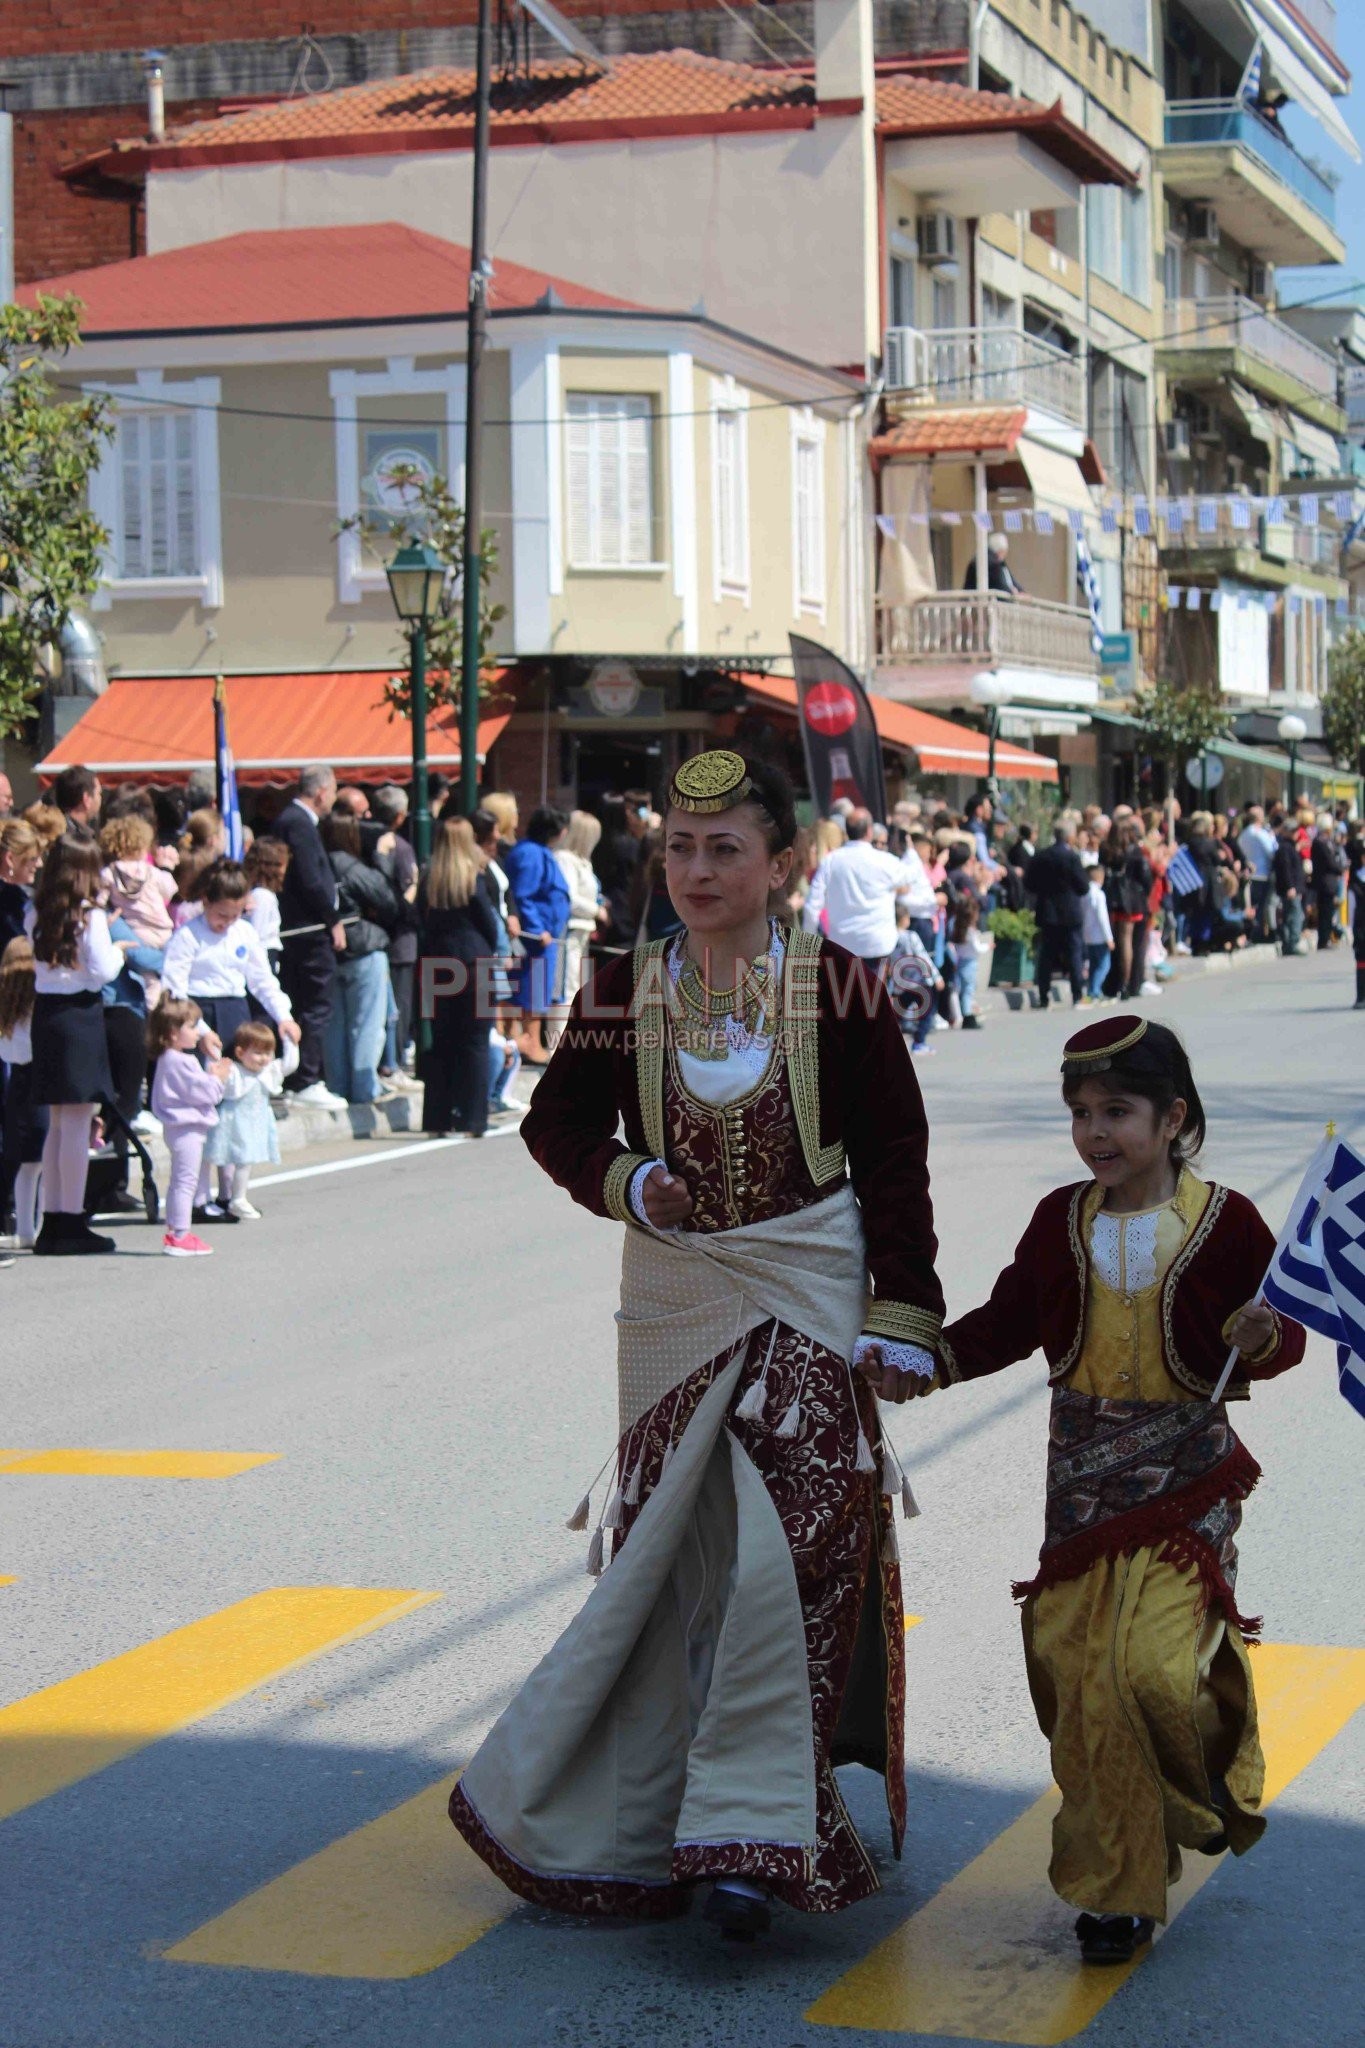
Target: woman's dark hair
x,y
958,856
224,881
1158,1069
341,833
66,890
545,823
484,825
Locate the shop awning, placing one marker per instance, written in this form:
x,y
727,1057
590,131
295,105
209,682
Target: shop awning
x,y
1054,479
1259,423
941,747
1315,442
160,729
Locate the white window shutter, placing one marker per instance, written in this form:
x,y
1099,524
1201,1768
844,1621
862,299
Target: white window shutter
x,y
639,507
579,467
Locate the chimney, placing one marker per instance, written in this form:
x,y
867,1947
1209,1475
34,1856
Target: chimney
x,y
844,51
156,95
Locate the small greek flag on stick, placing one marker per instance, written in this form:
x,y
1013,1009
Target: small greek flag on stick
x,y
1251,77
1183,873
229,808
1317,1275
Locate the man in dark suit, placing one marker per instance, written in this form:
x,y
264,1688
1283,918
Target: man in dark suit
x,y
1058,881
308,898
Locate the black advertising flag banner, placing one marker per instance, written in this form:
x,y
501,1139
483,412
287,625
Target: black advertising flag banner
x,y
838,731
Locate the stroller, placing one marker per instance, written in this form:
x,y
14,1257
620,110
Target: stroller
x,y
105,1174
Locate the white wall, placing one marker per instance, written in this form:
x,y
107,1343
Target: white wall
x,y
762,230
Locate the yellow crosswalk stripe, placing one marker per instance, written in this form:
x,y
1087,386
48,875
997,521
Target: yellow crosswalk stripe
x,y
7,1581
55,1737
992,1957
394,1899
135,1464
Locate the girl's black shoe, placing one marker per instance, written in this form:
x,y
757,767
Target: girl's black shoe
x,y
1109,1938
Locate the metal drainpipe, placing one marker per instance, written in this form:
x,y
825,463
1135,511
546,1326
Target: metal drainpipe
x,y
974,28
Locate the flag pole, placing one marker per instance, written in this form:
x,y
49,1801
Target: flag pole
x,y
1307,1186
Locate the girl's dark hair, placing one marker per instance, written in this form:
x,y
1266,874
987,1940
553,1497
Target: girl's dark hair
x,y
1158,1069
267,860
66,891
224,882
545,823
966,916
16,985
166,1019
341,833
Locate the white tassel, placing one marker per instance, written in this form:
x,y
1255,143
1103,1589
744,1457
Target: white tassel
x,y
909,1505
866,1461
632,1492
579,1518
750,1409
791,1422
668,1460
595,1554
612,1518
891,1471
890,1547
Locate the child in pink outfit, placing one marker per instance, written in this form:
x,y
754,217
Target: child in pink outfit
x,y
185,1096
139,891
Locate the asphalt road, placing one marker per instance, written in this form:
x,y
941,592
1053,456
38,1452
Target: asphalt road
x,y
423,1345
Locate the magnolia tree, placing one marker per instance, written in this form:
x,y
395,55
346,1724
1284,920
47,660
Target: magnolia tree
x,y
1343,708
50,544
433,515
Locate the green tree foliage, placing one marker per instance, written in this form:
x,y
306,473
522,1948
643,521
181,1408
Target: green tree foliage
x,y
50,544
435,516
1343,708
1179,719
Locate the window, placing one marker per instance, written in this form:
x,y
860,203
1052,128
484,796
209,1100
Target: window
x,y
371,459
1118,242
902,295
156,491
808,515
943,301
610,480
730,488
156,533
997,310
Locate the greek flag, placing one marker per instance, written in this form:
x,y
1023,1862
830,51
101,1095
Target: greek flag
x,y
1183,873
1090,582
1251,77
1318,1273
229,809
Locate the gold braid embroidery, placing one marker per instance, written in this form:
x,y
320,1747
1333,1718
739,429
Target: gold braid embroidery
x,y
1076,1215
648,997
1175,1364
616,1185
902,1323
801,1025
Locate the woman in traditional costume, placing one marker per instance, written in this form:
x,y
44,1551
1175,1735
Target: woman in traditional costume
x,y
778,1272
1134,1284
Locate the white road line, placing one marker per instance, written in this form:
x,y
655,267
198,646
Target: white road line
x,y
415,1151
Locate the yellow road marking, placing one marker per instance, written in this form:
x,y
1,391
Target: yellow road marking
x,y
69,1730
7,1581
912,1621
135,1464
992,1957
395,1899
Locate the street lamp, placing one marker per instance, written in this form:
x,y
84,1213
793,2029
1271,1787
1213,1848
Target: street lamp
x,y
416,578
1292,731
992,692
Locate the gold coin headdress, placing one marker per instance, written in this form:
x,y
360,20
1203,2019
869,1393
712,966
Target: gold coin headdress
x,y
710,782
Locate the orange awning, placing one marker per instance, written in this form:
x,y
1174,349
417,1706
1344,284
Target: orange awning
x,y
942,747
160,729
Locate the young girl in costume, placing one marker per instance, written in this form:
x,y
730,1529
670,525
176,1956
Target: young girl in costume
x,y
185,1097
25,1121
1134,1284
244,1135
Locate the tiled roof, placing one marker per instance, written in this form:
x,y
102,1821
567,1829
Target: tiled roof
x,y
660,92
970,431
300,277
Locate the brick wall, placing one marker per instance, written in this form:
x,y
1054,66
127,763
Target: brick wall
x,y
57,228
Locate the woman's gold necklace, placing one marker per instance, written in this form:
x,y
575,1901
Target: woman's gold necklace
x,y
703,1027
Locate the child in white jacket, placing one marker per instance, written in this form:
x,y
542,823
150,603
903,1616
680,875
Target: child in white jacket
x,y
1097,935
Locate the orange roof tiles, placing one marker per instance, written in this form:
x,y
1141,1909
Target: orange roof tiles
x,y
659,92
300,277
970,431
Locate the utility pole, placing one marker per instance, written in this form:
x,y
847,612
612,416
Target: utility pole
x,y
472,590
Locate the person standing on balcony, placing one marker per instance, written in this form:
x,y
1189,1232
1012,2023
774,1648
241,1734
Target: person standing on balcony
x,y
999,575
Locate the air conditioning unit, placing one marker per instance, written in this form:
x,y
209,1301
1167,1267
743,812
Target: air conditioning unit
x,y
1203,222
1175,439
1261,280
936,234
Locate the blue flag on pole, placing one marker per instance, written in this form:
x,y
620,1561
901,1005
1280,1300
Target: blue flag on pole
x,y
229,809
1318,1272
1183,873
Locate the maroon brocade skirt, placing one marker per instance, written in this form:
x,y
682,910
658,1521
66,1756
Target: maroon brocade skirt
x,y
837,1528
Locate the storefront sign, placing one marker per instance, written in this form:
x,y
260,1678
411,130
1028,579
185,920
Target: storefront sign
x,y
613,689
1119,663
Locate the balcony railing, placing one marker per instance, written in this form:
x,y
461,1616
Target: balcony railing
x,y
1225,122
1231,321
1220,525
984,366
964,626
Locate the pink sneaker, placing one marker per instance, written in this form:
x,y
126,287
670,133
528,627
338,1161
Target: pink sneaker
x,y
184,1244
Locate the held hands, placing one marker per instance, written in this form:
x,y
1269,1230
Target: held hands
x,y
666,1199
220,1069
338,938
1252,1329
888,1382
289,1029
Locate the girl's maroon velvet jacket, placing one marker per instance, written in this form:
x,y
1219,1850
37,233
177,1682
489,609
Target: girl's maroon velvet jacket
x,y
1039,1300
857,1100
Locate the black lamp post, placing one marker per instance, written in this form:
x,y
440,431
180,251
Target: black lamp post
x,y
416,578
1293,731
992,693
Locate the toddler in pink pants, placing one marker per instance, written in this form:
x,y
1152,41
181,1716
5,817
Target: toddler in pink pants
x,y
186,1093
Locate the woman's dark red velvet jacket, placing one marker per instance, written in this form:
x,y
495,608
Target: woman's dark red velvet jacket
x,y
858,1109
1039,1300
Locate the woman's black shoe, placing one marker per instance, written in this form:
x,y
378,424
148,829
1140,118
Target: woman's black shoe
x,y
738,1916
51,1239
81,1239
1112,1937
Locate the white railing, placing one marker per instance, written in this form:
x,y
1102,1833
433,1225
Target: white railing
x,y
1232,321
984,366
962,625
